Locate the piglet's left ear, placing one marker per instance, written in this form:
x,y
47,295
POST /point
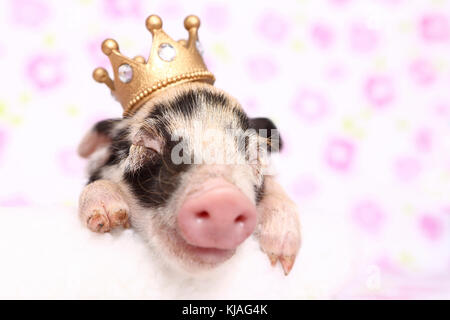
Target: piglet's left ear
x,y
271,132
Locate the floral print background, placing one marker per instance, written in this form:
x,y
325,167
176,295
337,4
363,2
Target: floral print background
x,y
359,89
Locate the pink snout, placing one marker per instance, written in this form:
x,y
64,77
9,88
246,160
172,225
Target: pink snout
x,y
221,217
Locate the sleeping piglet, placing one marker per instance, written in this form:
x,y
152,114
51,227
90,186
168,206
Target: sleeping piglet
x,y
190,171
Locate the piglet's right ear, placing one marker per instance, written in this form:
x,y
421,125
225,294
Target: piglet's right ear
x,y
100,135
271,132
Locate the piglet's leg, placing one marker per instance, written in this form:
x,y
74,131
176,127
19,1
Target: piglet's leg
x,y
102,206
279,228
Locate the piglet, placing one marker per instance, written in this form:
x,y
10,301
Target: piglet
x,y
189,172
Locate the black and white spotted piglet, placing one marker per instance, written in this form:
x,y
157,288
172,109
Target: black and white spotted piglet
x,y
158,171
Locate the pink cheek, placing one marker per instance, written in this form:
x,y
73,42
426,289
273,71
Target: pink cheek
x,y
339,154
431,227
379,91
368,216
45,72
435,28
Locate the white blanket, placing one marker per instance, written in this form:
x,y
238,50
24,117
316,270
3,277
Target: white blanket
x,y
47,253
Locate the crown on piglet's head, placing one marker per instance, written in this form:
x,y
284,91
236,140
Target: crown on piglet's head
x,y
170,63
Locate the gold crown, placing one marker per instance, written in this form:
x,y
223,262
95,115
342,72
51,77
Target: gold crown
x,y
170,63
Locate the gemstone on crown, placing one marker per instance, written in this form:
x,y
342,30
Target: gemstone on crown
x,y
166,52
125,73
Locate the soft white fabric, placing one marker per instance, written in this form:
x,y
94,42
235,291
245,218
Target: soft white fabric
x,y
47,253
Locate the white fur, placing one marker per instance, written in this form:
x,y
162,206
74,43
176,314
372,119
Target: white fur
x,y
47,253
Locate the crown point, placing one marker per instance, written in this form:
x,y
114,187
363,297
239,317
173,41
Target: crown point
x,y
153,22
139,59
100,75
191,22
109,45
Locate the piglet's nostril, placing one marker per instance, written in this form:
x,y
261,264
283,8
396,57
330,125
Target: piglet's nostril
x,y
202,215
240,219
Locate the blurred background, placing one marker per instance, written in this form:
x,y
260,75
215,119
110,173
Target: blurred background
x,y
359,89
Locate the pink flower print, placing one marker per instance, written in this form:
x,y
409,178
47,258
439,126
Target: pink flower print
x,y
339,2
251,105
273,27
392,2
262,68
70,162
172,9
339,154
442,109
336,72
368,216
388,266
322,36
431,227
407,168
379,91
45,72
3,139
31,13
122,8
310,105
305,187
17,200
446,209
435,28
422,72
216,17
362,38
94,49
423,140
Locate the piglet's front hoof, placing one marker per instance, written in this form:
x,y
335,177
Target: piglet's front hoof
x,y
98,222
102,207
102,220
281,247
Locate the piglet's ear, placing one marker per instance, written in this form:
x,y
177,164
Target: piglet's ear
x,y
100,135
267,129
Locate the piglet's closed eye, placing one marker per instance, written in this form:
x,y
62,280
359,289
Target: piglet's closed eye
x,y
145,147
147,139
